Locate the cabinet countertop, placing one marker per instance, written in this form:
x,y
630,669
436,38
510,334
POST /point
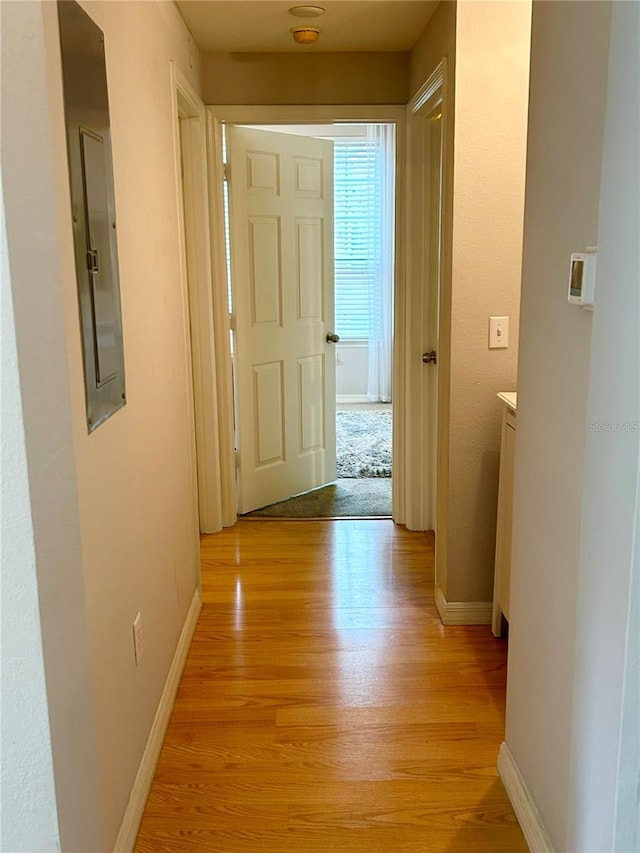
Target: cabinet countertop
x,y
510,398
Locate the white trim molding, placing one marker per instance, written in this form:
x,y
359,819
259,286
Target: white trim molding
x,y
423,413
306,113
190,164
221,322
433,85
126,839
463,612
351,398
529,819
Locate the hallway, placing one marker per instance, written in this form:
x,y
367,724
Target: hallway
x,y
324,707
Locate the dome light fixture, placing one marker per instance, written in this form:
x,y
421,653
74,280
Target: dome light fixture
x,y
305,35
306,11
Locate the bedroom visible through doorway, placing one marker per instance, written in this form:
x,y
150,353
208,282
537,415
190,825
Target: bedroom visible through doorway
x,y
364,223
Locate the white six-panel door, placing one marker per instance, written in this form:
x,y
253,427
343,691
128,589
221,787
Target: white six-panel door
x,y
281,219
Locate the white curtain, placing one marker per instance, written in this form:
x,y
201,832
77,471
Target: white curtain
x,y
382,254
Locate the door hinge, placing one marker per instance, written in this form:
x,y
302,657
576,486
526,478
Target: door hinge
x,y
227,172
236,456
232,322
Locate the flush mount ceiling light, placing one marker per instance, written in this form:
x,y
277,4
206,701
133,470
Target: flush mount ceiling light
x,y
306,11
306,35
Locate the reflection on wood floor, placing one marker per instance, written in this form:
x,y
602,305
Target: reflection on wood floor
x,y
325,709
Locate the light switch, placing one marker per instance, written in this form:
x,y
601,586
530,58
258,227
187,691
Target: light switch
x,y
498,332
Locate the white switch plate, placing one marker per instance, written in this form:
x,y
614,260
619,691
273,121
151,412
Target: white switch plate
x,y
138,647
498,332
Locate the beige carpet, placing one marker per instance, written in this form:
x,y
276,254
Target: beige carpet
x,y
347,498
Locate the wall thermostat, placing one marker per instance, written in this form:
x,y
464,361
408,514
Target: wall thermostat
x,y
582,278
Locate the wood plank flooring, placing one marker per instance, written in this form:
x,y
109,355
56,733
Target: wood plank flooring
x,y
325,709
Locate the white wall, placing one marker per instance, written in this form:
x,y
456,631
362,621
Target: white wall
x,y
312,78
438,39
486,45
135,473
491,88
352,372
570,47
609,511
117,504
27,792
627,828
44,440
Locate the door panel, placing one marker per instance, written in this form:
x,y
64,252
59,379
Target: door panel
x,y
268,410
309,272
265,270
281,219
311,384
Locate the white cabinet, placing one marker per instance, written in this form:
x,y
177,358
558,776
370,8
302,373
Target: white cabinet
x,y
502,577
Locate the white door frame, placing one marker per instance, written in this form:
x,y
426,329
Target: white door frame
x,y
428,316
190,154
405,452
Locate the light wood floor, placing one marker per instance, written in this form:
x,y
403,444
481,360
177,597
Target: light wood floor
x,y
325,709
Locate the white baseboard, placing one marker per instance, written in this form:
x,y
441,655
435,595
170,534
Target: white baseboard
x,y
523,805
351,398
463,612
140,791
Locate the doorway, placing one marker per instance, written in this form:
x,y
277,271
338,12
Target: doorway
x,y
271,217
413,501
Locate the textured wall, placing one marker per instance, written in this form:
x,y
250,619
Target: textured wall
x,y
566,119
320,78
135,473
43,605
28,801
438,39
609,510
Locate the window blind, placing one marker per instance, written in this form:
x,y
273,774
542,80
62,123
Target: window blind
x,y
358,233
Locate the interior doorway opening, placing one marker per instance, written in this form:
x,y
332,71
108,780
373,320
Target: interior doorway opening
x,y
363,257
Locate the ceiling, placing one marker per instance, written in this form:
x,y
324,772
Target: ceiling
x,y
264,26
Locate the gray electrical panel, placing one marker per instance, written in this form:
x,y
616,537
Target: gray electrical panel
x,y
86,106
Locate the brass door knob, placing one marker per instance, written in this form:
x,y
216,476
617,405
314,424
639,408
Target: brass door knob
x,y
430,357
332,338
